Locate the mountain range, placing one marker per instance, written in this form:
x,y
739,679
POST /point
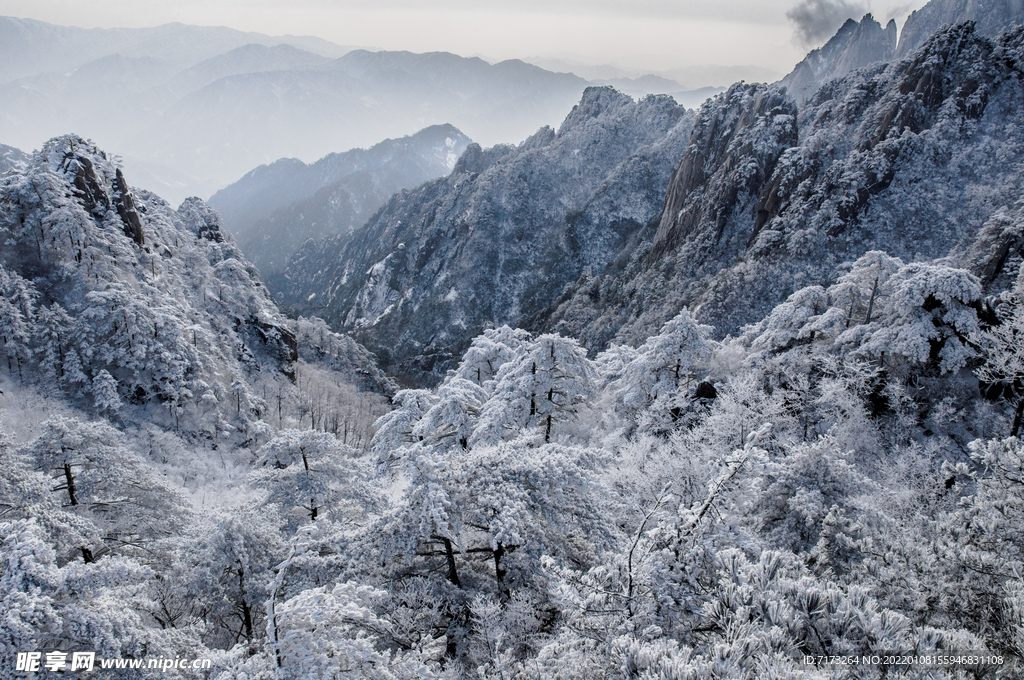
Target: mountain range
x,y
762,196
273,209
192,109
499,238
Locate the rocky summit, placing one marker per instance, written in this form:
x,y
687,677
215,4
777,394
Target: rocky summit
x,y
854,46
498,240
920,158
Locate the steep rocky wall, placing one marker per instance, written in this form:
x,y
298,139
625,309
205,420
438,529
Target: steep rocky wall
x,y
499,239
914,158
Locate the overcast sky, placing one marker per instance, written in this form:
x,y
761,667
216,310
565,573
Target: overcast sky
x,y
639,34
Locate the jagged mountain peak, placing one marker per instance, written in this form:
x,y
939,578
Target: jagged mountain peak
x,y
595,102
914,157
855,45
475,159
498,240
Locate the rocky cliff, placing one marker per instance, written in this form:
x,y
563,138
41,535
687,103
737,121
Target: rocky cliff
x,y
921,158
990,16
499,239
854,46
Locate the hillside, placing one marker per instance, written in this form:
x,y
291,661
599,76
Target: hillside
x,y
497,240
126,307
275,208
920,158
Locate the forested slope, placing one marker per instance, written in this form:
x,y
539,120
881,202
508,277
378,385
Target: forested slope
x,y
920,158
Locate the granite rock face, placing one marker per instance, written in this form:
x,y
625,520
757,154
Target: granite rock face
x,y
920,158
854,46
499,239
991,17
633,211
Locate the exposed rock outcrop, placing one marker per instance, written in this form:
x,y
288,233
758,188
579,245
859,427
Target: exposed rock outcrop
x,y
854,46
914,158
88,187
736,142
991,17
124,203
499,239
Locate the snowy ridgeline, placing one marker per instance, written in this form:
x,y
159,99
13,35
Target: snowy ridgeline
x,y
838,479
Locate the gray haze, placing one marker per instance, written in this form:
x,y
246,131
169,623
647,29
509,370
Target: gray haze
x,y
644,36
193,106
817,20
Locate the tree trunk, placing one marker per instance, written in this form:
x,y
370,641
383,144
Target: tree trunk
x,y
246,608
1017,417
453,574
499,574
871,302
71,483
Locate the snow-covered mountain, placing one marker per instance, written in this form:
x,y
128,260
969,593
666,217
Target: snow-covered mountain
x,y
273,209
11,159
500,238
111,297
854,46
991,17
766,197
920,158
186,473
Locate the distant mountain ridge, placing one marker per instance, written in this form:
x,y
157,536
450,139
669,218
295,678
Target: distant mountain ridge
x,y
29,47
193,109
11,159
273,209
352,102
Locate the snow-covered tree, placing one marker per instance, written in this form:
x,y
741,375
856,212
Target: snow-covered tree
x,y
1002,346
99,478
664,369
310,475
539,390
